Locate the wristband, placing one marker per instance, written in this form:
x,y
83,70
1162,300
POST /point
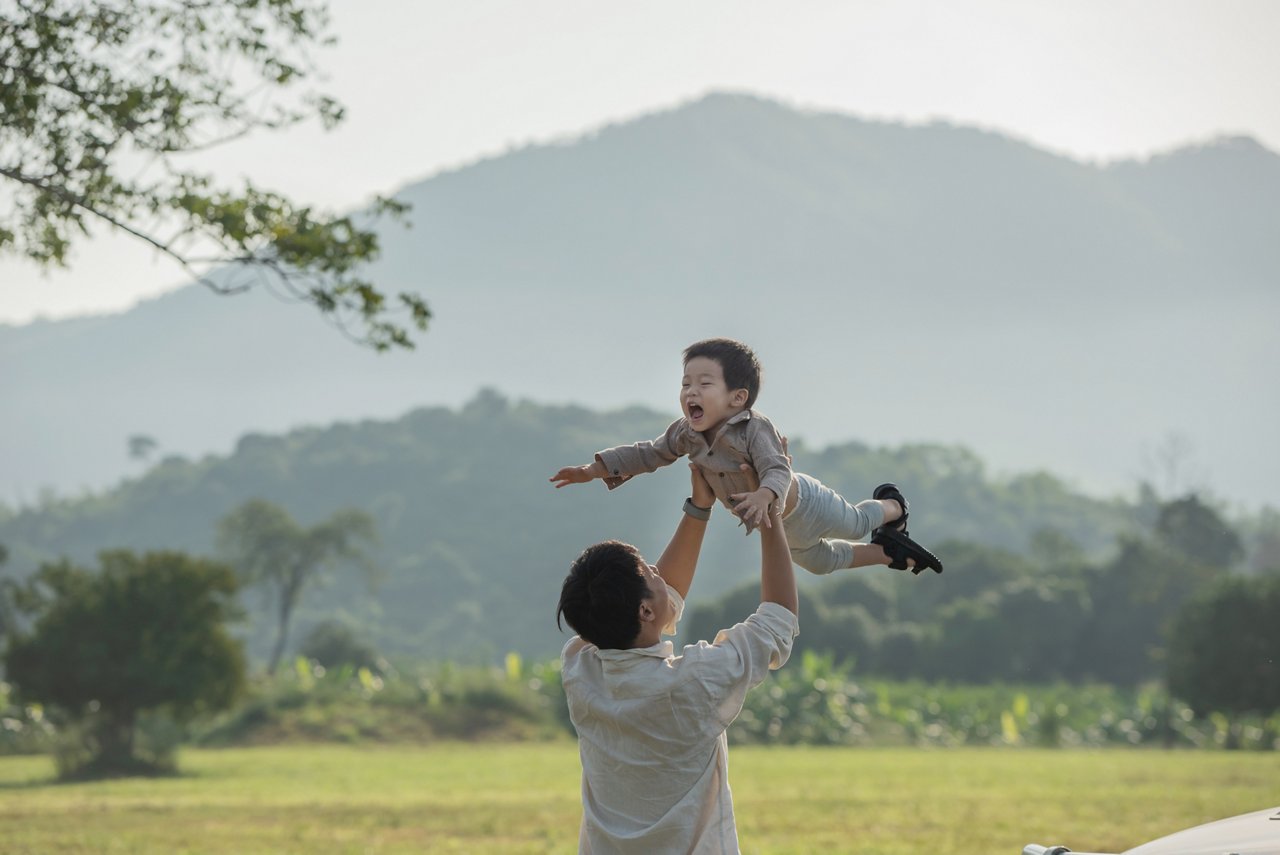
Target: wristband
x,y
696,512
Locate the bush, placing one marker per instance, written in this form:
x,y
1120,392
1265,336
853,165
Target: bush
x,y
820,703
1224,652
23,729
421,703
143,636
332,644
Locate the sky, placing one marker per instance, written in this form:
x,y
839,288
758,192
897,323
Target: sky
x,y
429,86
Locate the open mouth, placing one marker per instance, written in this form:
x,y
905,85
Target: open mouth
x,y
695,412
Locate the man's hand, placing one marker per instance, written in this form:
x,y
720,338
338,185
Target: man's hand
x,y
699,490
577,475
753,507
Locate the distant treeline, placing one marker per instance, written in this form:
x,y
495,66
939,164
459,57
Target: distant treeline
x,y
1051,614
1042,582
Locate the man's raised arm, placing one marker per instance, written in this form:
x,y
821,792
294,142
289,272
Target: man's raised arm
x,y
777,576
680,559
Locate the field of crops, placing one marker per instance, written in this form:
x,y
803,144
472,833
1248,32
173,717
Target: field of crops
x,y
512,798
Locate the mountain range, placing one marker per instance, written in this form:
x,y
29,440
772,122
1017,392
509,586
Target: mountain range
x,y
901,283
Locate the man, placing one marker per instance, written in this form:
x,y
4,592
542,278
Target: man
x,y
651,724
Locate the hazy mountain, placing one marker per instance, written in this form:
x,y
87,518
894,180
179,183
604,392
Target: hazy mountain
x,y
901,283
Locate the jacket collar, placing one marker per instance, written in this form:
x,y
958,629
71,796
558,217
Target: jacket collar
x,y
740,417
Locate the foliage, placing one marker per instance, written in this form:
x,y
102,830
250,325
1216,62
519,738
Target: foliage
x,y
952,489
1190,526
424,702
1263,533
331,644
812,701
24,728
995,615
473,539
819,703
1225,649
141,446
8,616
1134,598
269,548
143,635
99,101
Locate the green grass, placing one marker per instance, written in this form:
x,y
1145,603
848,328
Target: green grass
x,y
514,798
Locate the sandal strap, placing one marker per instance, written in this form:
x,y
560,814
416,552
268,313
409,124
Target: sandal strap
x,y
889,490
900,547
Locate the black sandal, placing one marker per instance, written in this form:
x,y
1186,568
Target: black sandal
x,y
890,490
899,547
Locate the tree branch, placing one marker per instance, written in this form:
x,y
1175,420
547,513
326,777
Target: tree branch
x,y
155,243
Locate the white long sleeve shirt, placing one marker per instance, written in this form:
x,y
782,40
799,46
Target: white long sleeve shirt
x,y
651,733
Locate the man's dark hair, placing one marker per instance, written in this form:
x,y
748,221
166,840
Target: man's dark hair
x,y
600,598
739,363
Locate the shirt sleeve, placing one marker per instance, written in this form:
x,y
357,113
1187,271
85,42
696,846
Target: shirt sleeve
x,y
741,657
623,462
764,444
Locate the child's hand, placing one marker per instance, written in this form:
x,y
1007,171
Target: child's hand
x,y
573,475
753,507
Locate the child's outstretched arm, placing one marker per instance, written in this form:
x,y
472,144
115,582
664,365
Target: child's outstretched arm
x,y
618,465
578,474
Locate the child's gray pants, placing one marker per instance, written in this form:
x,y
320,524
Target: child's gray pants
x,y
821,527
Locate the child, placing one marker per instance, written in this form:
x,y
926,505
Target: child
x,y
720,431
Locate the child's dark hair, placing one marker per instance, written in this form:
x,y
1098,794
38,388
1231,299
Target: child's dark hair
x,y
600,598
739,363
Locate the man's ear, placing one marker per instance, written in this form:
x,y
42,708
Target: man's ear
x,y
646,611
739,397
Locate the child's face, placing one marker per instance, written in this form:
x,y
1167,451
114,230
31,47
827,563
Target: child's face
x,y
705,399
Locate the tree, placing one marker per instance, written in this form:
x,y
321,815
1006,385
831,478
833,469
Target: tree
x,y
271,549
1265,547
100,101
1224,654
146,633
1134,598
1024,631
1189,525
141,446
333,644
8,620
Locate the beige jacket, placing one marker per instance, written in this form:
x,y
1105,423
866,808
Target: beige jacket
x,y
748,437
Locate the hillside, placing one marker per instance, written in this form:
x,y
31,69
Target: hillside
x,y
475,541
903,284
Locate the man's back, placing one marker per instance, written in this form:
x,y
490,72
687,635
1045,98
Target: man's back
x,y
651,730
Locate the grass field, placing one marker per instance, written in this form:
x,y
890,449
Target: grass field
x,y
524,798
